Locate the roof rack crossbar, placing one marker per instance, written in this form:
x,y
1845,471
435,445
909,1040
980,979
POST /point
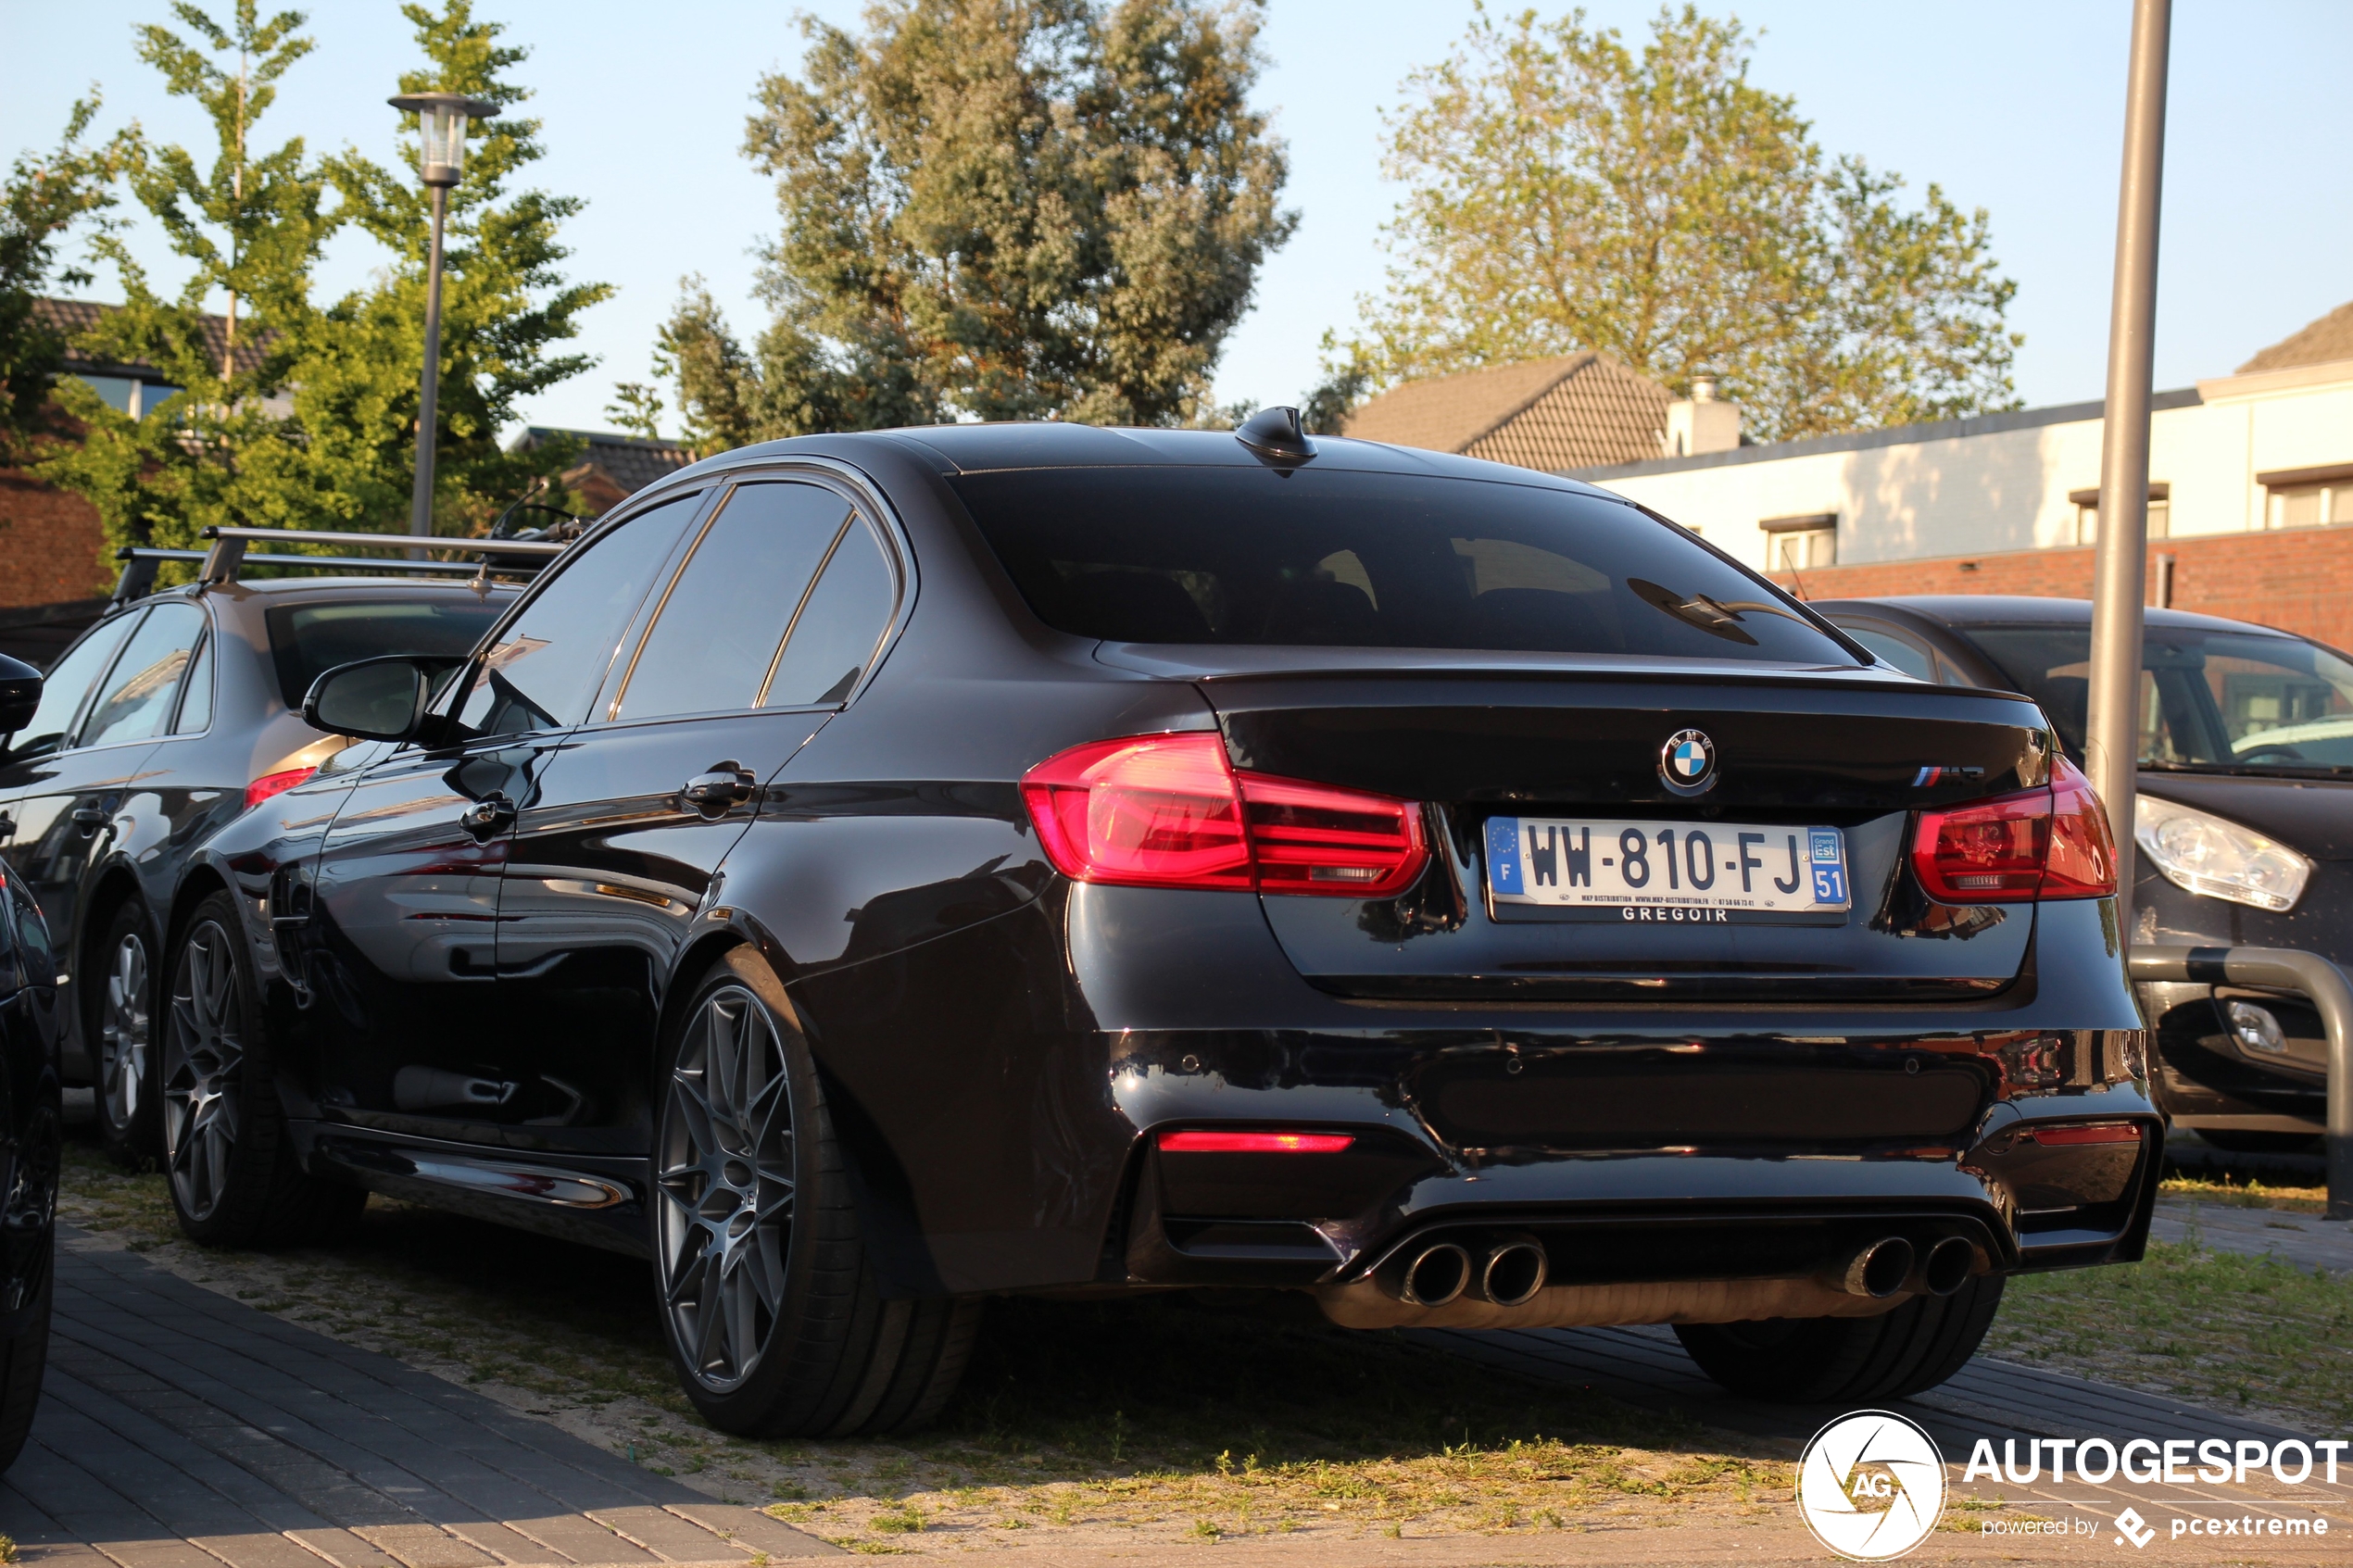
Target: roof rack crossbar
x,y
138,578
228,550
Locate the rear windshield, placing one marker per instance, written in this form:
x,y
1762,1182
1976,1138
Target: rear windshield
x,y
309,640
2244,701
1344,559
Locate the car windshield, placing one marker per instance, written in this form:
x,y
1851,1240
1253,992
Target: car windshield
x,y
1342,559
308,640
2229,700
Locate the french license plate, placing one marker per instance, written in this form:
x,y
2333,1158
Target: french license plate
x,y
1713,873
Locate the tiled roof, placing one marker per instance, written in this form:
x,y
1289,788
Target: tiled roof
x,y
1574,411
625,464
2318,343
71,318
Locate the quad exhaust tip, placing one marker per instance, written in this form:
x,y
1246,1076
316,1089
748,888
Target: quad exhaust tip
x,y
1515,1272
1437,1274
1948,1265
1878,1270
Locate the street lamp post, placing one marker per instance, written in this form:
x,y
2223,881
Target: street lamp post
x,y
441,127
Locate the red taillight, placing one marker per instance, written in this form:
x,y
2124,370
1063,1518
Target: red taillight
x,y
2098,1132
2048,842
1169,812
2083,859
1255,1143
269,784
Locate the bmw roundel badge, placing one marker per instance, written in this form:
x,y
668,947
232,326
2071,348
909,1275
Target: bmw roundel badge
x,y
1687,763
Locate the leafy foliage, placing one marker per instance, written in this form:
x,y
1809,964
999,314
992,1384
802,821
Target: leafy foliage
x,y
303,416
505,305
250,227
1567,193
1000,210
42,200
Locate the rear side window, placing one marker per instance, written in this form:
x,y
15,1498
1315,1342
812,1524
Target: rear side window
x,y
306,641
1348,560
837,630
64,687
136,697
726,615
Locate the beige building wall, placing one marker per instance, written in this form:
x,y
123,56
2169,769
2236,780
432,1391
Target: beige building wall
x,y
2002,484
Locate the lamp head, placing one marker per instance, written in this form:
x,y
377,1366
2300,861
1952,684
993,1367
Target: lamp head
x,y
441,130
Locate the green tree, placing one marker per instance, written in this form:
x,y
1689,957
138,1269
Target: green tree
x,y
41,202
224,449
507,308
299,416
1566,193
998,208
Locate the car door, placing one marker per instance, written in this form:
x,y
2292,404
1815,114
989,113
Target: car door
x,y
70,809
399,928
774,615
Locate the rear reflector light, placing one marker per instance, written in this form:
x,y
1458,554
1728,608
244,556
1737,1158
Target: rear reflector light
x,y
2098,1132
1255,1143
1169,812
2048,842
269,784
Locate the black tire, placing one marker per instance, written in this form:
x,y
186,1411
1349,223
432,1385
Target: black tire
x,y
767,1295
233,1175
119,1015
1848,1360
28,1274
2236,1141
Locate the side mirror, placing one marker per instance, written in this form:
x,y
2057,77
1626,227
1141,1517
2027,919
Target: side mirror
x,y
19,694
373,699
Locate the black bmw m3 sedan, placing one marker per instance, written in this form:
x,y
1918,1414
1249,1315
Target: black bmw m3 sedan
x,y
874,872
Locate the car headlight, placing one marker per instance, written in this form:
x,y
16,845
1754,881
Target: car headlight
x,y
2208,855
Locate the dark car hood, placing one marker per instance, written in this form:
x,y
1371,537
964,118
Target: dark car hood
x,y
2313,816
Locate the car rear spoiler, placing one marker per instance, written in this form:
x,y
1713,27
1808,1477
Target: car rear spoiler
x,y
227,556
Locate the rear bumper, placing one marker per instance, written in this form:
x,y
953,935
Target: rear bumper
x,y
999,1091
1641,1147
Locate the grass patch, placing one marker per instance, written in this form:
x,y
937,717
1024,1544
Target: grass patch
x,y
2217,1328
2243,1192
1194,1416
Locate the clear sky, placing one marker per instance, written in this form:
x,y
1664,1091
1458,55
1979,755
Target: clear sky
x,y
2015,105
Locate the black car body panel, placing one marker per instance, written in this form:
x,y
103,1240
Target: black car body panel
x,y
998,1041
97,822
2206,1078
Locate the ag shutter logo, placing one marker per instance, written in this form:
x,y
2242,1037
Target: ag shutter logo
x,y
1687,763
1871,1486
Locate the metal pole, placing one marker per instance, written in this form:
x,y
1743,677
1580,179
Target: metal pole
x,y
421,498
2111,740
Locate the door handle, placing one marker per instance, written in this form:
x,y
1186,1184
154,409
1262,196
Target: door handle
x,y
90,819
488,817
712,793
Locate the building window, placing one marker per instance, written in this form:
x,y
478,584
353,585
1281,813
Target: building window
x,y
127,396
1801,543
2308,497
2087,513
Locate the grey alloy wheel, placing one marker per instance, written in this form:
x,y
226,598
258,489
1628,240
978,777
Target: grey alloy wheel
x,y
724,1159
203,1070
125,1032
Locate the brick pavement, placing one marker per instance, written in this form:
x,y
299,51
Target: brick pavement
x,y
181,1429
